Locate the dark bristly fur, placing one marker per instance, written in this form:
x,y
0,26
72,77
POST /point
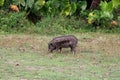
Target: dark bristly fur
x,y
58,43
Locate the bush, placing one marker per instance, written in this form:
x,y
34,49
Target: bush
x,y
50,25
60,25
13,22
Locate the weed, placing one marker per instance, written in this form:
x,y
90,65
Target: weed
x,y
14,22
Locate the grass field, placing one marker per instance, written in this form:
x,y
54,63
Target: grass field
x,y
25,57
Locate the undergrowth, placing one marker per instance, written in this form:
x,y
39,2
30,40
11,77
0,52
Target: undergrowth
x,y
12,22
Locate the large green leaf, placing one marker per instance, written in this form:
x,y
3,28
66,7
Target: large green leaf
x,y
15,2
116,3
106,10
106,14
64,3
73,8
37,6
66,10
106,6
69,8
1,2
52,7
81,5
109,7
29,3
103,5
22,2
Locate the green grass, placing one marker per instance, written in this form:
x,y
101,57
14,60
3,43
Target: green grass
x,y
25,57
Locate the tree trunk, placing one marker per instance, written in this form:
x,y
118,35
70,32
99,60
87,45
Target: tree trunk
x,y
89,2
95,4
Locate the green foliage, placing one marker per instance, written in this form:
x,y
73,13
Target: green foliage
x,y
69,9
103,19
13,22
7,4
118,18
1,2
81,7
23,3
56,7
27,5
30,3
106,10
116,3
104,6
51,7
103,16
51,25
57,16
38,4
60,25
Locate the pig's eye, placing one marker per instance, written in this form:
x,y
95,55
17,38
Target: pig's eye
x,y
51,44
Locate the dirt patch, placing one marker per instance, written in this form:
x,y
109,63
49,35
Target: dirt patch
x,y
104,44
23,43
101,43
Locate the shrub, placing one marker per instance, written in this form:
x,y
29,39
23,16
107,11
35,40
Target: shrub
x,y
13,22
60,25
51,25
104,19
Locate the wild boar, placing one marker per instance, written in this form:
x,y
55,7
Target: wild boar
x,y
60,42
